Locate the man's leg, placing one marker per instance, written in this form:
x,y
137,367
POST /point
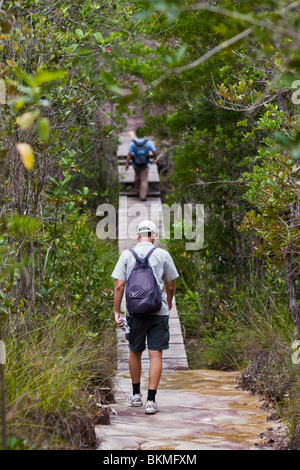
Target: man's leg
x,y
135,373
154,378
135,366
155,369
137,180
158,340
144,182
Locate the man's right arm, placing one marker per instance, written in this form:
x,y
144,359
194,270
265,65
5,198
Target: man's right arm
x,y
127,161
118,295
119,274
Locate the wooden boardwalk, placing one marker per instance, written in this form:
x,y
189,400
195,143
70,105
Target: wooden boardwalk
x,y
131,211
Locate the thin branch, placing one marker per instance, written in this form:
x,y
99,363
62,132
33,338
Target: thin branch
x,y
47,254
203,58
251,19
229,42
239,107
204,183
289,7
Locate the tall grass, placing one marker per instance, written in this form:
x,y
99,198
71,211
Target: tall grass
x,y
52,376
266,342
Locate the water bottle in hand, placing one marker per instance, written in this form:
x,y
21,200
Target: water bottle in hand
x,y
124,325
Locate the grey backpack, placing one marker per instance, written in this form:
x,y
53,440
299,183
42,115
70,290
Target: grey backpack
x,y
143,294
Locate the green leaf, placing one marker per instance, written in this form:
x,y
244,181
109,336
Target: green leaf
x,y
53,180
79,33
99,38
67,178
27,119
43,129
72,48
180,53
26,153
47,76
19,102
282,139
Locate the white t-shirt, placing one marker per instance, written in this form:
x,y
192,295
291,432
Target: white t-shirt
x,y
160,261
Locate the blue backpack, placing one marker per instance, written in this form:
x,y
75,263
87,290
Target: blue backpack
x,y
140,155
143,295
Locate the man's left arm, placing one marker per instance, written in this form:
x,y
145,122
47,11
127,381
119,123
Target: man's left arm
x,y
152,148
170,290
170,274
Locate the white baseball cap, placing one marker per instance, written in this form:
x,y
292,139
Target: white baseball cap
x,y
146,226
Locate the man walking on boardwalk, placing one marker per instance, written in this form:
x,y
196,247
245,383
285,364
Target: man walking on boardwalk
x,y
138,152
154,326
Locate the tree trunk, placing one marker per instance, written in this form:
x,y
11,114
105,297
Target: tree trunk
x,y
3,410
290,273
2,392
291,284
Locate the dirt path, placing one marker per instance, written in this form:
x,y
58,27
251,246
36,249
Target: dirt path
x,y
199,410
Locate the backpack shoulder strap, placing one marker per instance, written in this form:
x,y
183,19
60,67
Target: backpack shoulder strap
x,y
146,257
150,253
135,255
140,143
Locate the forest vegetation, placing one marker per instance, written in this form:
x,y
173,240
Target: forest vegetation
x,y
223,79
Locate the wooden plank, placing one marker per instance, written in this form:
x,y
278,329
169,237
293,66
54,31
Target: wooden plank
x,y
133,194
167,364
127,176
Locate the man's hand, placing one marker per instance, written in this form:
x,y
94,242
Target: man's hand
x,y
118,317
126,166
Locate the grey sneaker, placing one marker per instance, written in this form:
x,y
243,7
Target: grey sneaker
x,y
136,400
151,407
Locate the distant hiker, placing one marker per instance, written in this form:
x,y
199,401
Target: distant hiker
x,y
138,268
138,152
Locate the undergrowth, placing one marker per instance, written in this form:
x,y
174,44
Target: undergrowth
x,y
60,356
53,376
254,337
